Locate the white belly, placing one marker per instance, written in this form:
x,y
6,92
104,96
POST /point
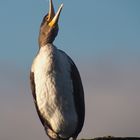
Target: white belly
x,y
54,91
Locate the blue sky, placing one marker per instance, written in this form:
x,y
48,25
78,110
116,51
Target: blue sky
x,y
86,26
101,36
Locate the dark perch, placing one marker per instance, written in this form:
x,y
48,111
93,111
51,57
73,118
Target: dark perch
x,y
114,138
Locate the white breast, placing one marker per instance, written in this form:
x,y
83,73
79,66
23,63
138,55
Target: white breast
x,y
54,90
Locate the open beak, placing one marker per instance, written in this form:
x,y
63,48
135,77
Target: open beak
x,y
55,18
51,11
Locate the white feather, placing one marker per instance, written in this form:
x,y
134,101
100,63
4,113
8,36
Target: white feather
x,y
54,90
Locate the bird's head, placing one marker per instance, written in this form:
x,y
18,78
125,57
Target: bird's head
x,y
49,26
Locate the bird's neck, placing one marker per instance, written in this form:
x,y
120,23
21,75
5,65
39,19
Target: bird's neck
x,y
49,47
46,45
47,37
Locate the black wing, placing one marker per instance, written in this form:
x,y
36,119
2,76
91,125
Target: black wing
x,y
78,95
43,120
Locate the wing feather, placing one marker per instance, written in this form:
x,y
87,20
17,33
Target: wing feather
x,y
78,97
78,93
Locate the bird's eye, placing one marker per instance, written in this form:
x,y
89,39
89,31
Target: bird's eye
x,y
47,18
44,20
